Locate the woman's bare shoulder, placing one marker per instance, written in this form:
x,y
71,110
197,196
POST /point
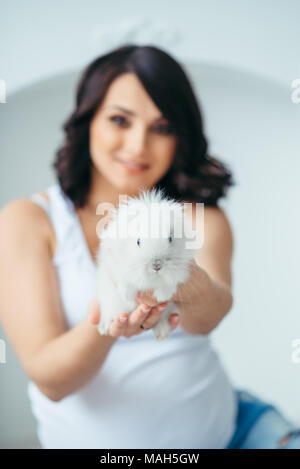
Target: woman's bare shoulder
x,y
25,216
213,214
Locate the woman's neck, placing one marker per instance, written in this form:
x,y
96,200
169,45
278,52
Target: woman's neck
x,y
102,191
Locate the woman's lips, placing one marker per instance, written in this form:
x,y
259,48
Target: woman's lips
x,y
133,167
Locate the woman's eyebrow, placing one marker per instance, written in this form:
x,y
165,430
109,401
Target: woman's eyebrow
x,y
131,113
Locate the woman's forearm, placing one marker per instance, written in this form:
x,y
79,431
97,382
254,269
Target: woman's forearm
x,y
69,361
203,302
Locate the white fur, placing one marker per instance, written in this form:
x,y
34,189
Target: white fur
x,y
124,267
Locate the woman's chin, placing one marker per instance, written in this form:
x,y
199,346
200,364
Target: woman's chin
x,y
133,185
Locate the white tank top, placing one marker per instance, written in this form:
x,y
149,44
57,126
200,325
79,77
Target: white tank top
x,y
148,394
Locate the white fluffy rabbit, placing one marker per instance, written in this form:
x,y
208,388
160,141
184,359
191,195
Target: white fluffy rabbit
x,y
143,247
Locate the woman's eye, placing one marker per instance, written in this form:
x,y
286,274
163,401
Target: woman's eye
x,y
118,119
165,129
122,121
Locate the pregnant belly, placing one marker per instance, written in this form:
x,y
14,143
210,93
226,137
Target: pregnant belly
x,y
173,394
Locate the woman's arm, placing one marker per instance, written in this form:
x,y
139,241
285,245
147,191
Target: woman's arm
x,y
57,360
206,298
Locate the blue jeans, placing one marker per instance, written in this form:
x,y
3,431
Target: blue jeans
x,y
261,426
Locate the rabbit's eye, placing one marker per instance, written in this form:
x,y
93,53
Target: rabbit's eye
x,y
170,239
138,242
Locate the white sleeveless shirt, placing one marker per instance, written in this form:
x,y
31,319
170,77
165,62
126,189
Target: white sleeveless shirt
x,y
148,394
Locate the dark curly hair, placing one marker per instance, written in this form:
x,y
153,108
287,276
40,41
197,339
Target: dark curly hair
x,y
194,175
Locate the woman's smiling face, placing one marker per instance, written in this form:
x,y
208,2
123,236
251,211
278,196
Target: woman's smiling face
x,y
131,144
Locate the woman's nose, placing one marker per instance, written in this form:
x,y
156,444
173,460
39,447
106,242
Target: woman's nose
x,y
135,142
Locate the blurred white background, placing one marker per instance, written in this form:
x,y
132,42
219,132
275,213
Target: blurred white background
x,y
242,57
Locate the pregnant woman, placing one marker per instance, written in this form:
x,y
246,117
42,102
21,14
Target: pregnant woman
x,y
136,123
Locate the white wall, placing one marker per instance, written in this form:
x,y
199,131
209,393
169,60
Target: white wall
x,y
38,39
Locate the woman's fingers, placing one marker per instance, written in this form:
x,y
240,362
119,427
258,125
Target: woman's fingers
x,y
142,315
146,297
174,320
118,327
133,321
137,317
154,316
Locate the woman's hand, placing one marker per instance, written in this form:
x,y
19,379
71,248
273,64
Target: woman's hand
x,y
133,321
147,297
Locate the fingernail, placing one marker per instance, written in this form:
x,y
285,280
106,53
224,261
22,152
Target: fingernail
x,y
146,309
162,307
176,319
123,319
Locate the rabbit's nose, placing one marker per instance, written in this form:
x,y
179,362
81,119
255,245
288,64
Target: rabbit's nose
x,y
157,264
